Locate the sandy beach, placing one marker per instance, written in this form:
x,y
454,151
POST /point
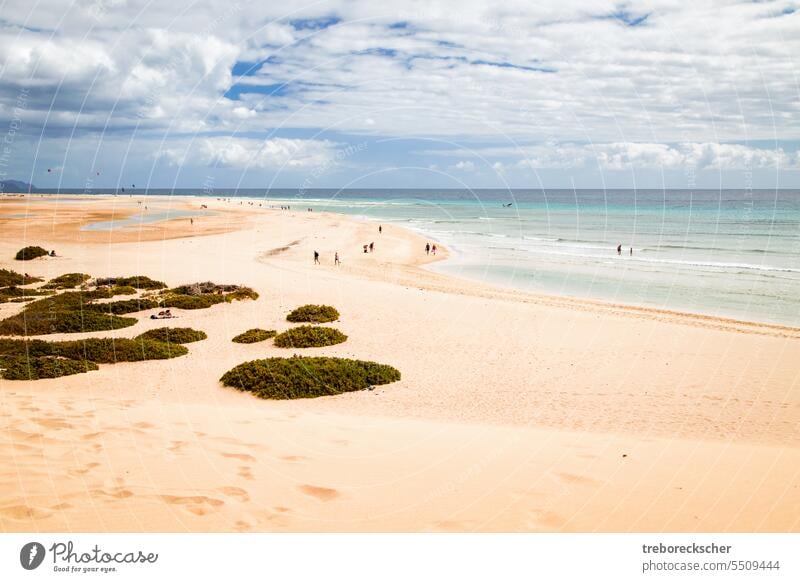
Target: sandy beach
x,y
515,412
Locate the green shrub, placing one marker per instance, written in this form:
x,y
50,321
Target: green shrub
x,y
252,336
106,350
33,359
313,314
10,278
192,301
68,312
30,253
123,290
35,368
301,377
309,336
124,306
137,282
174,335
112,350
68,281
17,294
242,293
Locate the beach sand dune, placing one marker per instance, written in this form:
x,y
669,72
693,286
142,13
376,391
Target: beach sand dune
x,y
516,412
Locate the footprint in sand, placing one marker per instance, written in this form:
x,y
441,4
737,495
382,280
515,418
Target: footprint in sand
x,y
576,479
195,504
54,423
245,473
144,425
84,470
24,512
239,456
177,446
236,492
114,493
321,493
293,458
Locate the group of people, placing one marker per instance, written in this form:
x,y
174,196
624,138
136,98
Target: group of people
x,y
368,248
619,250
430,248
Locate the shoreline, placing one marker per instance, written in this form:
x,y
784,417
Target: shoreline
x,y
480,287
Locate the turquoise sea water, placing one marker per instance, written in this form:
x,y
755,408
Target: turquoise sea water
x,y
725,252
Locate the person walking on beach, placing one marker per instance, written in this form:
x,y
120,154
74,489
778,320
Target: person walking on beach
x,y
433,250
380,229
371,246
427,248
316,257
631,251
336,258
619,249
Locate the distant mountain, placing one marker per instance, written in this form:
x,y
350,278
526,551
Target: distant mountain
x,y
16,186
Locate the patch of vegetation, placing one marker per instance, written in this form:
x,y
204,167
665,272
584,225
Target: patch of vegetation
x,y
301,377
309,336
35,368
123,290
313,314
192,301
137,282
241,293
252,336
174,335
10,278
124,306
99,350
16,294
33,359
30,253
68,281
69,312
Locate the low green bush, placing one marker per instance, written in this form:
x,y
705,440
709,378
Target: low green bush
x,y
30,253
309,336
69,312
252,336
301,377
240,294
123,306
137,282
67,281
10,278
17,294
123,290
35,368
34,359
313,314
99,350
192,301
174,335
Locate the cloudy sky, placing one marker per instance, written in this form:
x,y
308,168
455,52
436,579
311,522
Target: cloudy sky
x,y
352,93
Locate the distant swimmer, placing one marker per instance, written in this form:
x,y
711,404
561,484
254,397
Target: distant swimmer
x,y
508,205
619,249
